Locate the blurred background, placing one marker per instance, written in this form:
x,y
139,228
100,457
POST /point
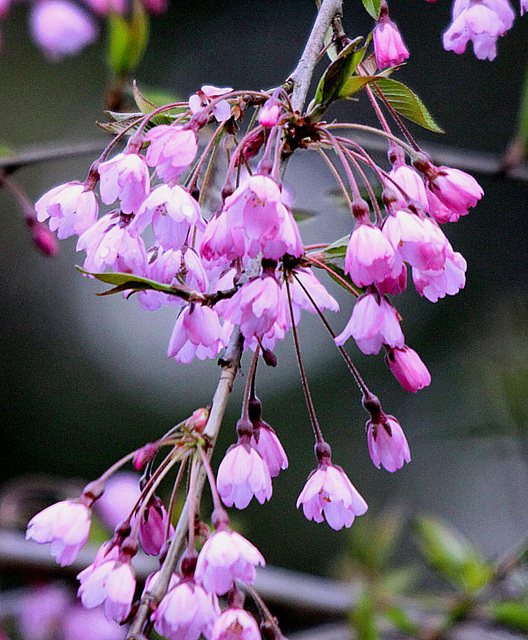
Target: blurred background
x,y
84,379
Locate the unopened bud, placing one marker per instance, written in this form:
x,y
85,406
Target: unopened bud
x,y
198,420
144,455
269,357
43,239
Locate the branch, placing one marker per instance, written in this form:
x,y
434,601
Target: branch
x,y
301,77
230,363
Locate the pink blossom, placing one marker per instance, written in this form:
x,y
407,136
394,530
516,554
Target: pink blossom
x,y
197,333
394,284
172,212
304,284
221,110
235,624
153,527
374,322
171,150
66,525
266,442
42,238
524,6
186,612
4,7
121,493
270,113
61,28
126,177
447,281
481,21
108,243
107,7
411,183
71,208
82,624
369,256
92,591
243,474
408,369
120,586
388,44
387,444
41,610
225,557
456,189
438,211
328,491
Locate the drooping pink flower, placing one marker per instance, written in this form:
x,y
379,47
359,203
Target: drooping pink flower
x,y
266,442
61,28
243,474
388,44
125,177
303,286
235,624
270,112
153,526
482,22
524,6
387,444
172,211
186,612
108,243
408,369
411,183
199,100
456,189
66,525
71,208
369,256
447,281
374,322
225,557
171,150
120,586
42,238
328,493
197,333
394,284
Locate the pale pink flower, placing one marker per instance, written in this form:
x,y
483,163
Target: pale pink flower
x,y
225,557
305,283
411,183
270,113
524,6
121,493
235,624
71,208
197,333
374,322
108,243
153,526
387,444
66,525
266,442
369,256
438,211
388,44
92,590
61,28
328,493
408,369
199,100
243,474
447,281
172,211
456,189
171,150
186,612
125,176
120,586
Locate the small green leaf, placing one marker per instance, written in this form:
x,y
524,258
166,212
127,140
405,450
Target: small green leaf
x,y
127,40
452,555
406,103
303,214
512,614
401,620
338,248
126,281
373,7
144,105
363,618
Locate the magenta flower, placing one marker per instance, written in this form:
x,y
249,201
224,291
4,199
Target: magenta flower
x,y
369,256
243,474
408,369
225,557
374,322
456,189
197,333
186,612
328,493
153,526
71,208
171,150
524,6
221,110
235,624
387,444
61,28
125,177
447,281
388,44
266,442
66,525
270,113
411,183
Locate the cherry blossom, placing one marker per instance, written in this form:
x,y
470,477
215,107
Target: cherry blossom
x,y
387,444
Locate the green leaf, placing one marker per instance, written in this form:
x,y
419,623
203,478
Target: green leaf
x,y
512,614
406,103
144,104
363,618
337,73
338,248
373,7
127,40
128,281
303,214
452,555
373,540
401,620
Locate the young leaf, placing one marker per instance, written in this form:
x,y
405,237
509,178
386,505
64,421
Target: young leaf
x,y
512,614
338,248
373,7
144,105
126,281
127,40
406,103
401,620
